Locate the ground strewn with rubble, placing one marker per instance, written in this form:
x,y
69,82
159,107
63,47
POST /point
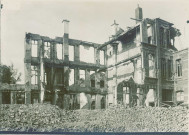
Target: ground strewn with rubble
x,y
45,117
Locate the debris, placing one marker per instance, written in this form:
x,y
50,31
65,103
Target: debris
x,y
48,118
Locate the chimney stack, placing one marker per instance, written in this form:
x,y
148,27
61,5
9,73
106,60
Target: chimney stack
x,y
66,40
115,28
66,26
138,14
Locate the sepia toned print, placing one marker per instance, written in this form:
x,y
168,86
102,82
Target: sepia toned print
x,y
133,80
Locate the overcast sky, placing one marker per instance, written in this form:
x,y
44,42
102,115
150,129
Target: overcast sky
x,y
90,20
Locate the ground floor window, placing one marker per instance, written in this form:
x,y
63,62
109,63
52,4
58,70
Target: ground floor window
x,y
180,96
93,105
167,95
20,97
6,98
150,98
103,104
126,95
34,74
35,97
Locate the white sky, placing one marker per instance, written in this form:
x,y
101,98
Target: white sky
x,y
90,20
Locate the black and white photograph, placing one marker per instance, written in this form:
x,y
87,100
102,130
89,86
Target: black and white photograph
x,y
94,67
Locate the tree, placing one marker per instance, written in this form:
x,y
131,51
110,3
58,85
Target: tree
x,y
8,74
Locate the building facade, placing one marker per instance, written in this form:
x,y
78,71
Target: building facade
x,y
140,63
136,67
64,71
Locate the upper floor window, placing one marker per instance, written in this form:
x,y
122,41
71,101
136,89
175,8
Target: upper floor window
x,y
34,42
109,50
71,77
161,33
82,74
34,48
179,67
101,57
149,39
86,53
168,37
92,83
151,65
92,72
101,83
151,60
164,36
139,64
119,48
59,49
149,31
169,69
47,49
71,53
34,75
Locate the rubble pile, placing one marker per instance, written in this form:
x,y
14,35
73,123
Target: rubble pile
x,y
138,119
49,118
36,117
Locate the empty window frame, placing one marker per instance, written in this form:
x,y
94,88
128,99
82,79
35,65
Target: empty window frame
x,y
126,91
169,69
168,37
167,95
86,53
109,50
161,31
101,57
119,48
179,67
47,48
34,78
101,83
82,74
149,31
34,48
59,75
151,65
149,39
92,72
59,49
71,77
180,96
71,53
92,83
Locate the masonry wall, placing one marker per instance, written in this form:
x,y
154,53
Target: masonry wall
x,y
53,71
148,46
181,82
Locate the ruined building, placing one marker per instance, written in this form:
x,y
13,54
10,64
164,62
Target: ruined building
x,y
64,71
139,63
136,67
